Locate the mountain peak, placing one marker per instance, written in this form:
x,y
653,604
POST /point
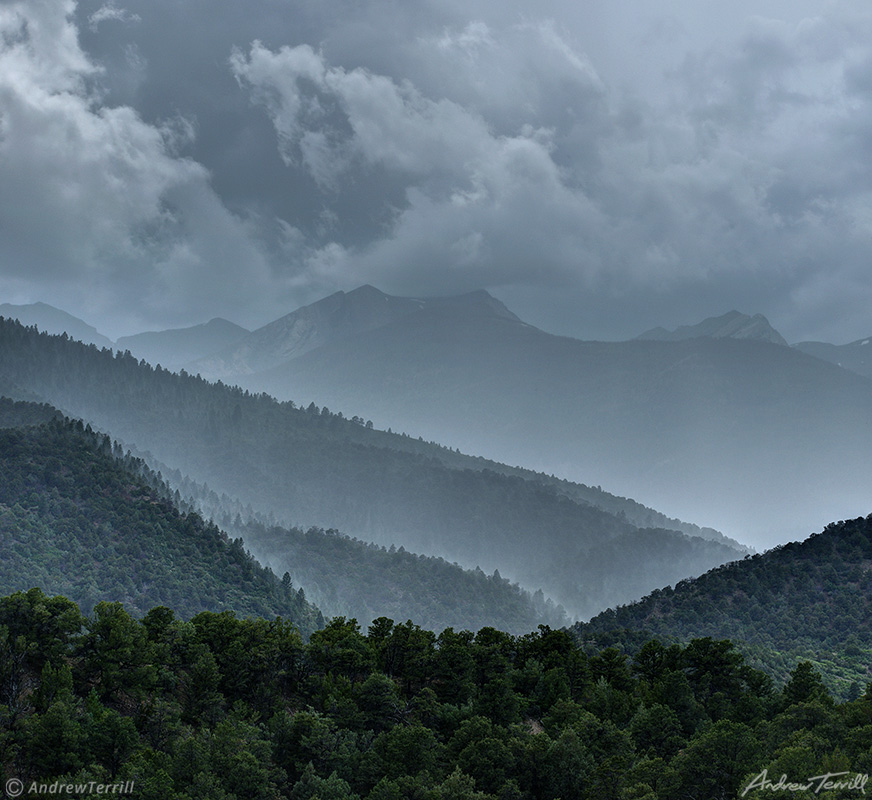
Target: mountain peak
x,y
478,301
367,289
340,315
55,321
732,325
175,347
333,317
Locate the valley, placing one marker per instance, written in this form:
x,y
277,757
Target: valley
x,y
159,503
435,401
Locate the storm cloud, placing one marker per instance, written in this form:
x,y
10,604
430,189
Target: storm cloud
x,y
601,171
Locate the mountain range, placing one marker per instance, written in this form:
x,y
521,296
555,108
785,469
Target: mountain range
x,y
720,423
732,325
311,467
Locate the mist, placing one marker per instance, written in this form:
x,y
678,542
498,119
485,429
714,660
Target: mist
x,y
600,172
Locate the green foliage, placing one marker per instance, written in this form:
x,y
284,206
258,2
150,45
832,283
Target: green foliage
x,y
805,602
714,763
78,518
219,707
342,573
314,467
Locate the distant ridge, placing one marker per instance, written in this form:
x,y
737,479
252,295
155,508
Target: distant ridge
x,y
342,315
732,325
855,356
176,347
52,320
317,468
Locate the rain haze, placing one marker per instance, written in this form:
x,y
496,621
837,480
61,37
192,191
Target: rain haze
x,y
600,168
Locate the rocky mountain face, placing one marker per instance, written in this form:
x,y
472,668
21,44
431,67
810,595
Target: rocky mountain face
x,y
855,356
340,316
732,325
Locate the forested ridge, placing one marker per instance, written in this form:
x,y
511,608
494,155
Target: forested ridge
x,y
80,517
803,600
345,576
221,708
310,467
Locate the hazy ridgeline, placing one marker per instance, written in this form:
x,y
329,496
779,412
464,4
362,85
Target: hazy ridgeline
x,y
80,518
311,467
746,435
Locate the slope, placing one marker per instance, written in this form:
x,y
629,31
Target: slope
x,y
175,348
315,468
741,434
805,600
52,320
79,520
855,356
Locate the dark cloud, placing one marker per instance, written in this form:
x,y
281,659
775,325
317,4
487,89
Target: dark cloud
x,y
603,168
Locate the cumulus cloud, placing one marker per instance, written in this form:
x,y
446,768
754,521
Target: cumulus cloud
x,y
551,179
110,11
92,198
626,169
380,121
481,207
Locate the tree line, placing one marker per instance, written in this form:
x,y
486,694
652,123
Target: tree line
x,y
221,707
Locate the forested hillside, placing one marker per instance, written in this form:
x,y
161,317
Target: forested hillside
x,y
807,600
347,577
78,519
51,546
219,708
687,425
310,467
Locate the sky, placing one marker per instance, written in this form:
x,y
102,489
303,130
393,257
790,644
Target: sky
x,y
601,167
